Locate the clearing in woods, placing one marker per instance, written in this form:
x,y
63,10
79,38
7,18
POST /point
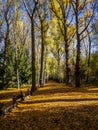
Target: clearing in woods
x,y
55,107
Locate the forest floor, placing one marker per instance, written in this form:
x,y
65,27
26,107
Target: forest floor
x,y
54,107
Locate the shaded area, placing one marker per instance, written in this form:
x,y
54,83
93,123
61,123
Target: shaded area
x,y
61,88
60,100
66,90
61,118
7,95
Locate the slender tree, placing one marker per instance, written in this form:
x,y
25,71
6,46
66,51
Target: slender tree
x,y
42,13
16,18
31,16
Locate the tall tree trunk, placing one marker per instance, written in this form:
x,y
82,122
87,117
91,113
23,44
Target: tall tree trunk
x,y
5,63
58,65
37,65
17,68
89,55
42,57
5,52
77,67
17,57
45,62
44,76
67,64
33,89
45,68
66,56
17,62
31,16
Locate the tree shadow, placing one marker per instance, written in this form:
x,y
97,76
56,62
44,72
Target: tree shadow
x,y
60,100
64,90
6,95
60,118
9,94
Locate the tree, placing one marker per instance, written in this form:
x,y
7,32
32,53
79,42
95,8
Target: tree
x,y
42,13
1,22
57,49
15,30
95,35
82,8
24,65
94,67
20,36
62,12
7,18
31,13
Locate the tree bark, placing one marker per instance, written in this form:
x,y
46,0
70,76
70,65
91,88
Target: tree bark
x,y
33,89
58,65
37,65
17,55
17,67
89,56
42,57
66,57
77,67
6,50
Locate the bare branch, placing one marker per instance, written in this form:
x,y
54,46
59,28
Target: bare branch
x,y
36,3
73,5
72,37
28,12
36,25
83,37
89,20
68,12
70,22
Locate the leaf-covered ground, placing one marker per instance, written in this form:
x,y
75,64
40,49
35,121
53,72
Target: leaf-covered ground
x,y
55,107
6,95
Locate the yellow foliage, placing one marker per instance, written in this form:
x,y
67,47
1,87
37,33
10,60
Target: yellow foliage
x,y
19,25
88,13
55,7
71,31
88,1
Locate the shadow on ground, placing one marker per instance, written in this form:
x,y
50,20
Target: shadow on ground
x,y
63,89
61,118
60,100
28,116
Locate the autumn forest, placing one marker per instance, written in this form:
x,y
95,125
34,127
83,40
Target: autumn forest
x,y
50,46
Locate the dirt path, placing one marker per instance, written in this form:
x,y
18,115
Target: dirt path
x,y
55,107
